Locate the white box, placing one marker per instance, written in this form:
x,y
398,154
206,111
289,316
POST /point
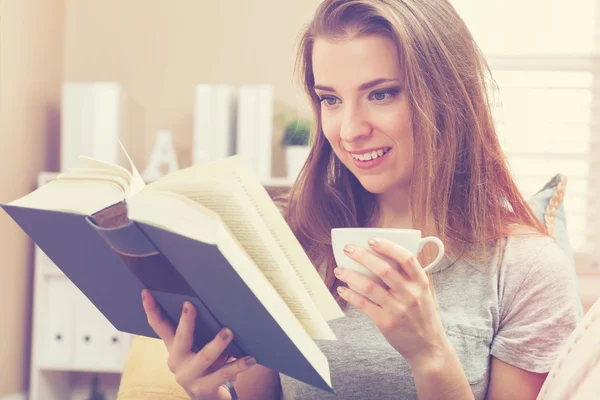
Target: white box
x,y
89,351
58,344
98,345
255,127
115,346
214,122
92,118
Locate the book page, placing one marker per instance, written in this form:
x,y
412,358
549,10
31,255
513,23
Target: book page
x,y
235,176
229,202
176,213
95,174
186,217
76,196
108,168
137,182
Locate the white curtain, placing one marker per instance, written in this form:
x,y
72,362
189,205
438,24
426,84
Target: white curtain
x,y
543,56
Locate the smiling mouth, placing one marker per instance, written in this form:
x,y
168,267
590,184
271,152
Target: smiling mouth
x,y
369,156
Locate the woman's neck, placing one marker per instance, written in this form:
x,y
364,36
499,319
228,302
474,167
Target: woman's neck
x,y
394,209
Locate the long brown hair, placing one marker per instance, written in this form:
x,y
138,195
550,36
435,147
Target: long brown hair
x,y
461,188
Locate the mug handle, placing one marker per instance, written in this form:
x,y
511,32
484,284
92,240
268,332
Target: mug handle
x,y
440,246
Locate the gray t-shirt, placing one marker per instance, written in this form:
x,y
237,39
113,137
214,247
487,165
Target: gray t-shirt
x,y
519,308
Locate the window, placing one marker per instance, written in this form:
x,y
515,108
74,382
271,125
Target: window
x,y
542,56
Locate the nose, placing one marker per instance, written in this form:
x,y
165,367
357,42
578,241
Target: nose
x,y
355,125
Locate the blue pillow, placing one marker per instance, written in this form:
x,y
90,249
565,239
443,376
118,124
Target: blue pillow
x,y
549,207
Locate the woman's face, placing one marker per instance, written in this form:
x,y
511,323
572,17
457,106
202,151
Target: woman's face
x,y
364,109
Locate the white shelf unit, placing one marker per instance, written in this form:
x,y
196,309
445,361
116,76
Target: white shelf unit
x,y
71,340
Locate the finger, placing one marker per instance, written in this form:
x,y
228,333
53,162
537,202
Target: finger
x,y
370,309
212,351
222,360
229,372
406,259
156,319
363,284
184,334
201,363
387,270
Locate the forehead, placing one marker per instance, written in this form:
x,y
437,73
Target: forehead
x,y
354,61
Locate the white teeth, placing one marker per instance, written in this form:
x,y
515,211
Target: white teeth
x,y
370,156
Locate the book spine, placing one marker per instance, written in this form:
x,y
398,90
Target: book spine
x,y
107,110
91,122
255,127
214,122
163,281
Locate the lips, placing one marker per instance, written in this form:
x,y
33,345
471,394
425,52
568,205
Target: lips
x,y
367,155
369,158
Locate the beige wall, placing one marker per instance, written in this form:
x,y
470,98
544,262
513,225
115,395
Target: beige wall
x,y
158,50
31,34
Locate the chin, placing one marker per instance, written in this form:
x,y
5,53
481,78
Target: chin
x,y
375,186
381,184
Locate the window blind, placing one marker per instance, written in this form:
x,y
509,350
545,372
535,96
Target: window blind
x,y
546,107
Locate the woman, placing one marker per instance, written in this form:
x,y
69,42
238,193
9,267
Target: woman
x,y
405,139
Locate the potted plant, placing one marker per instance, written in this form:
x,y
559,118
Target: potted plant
x,y
296,143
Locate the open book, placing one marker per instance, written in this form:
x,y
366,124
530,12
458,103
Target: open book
x,y
209,234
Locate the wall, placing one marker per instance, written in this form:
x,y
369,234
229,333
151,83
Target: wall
x,y
158,51
31,55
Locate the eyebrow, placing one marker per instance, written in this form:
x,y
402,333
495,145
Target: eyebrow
x,y
364,86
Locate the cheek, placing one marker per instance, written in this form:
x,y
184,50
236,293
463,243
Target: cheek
x,y
331,130
407,146
397,127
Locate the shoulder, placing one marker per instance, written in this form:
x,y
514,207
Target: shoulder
x,y
534,266
537,302
526,250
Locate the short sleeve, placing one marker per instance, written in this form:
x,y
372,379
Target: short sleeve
x,y
538,310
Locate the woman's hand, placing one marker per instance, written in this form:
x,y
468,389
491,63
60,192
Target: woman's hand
x,y
201,374
405,311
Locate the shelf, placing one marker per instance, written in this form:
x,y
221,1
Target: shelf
x,y
75,368
274,182
278,183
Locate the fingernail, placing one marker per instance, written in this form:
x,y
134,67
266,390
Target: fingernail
x,y
143,295
225,334
374,242
249,361
338,271
185,308
349,248
341,289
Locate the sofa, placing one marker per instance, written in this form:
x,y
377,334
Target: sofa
x,y
575,374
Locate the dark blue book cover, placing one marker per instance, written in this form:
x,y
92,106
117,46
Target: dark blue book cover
x,y
111,262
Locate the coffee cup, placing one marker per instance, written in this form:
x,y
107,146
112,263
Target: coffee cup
x,y
408,238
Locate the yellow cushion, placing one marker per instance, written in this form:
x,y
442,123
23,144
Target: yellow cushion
x,y
146,375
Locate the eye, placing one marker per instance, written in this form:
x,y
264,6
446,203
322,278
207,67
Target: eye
x,y
328,101
383,95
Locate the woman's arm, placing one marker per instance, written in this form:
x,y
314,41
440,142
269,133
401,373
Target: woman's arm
x,y
441,377
407,317
510,382
445,378
258,383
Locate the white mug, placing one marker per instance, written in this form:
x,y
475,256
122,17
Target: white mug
x,y
359,237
